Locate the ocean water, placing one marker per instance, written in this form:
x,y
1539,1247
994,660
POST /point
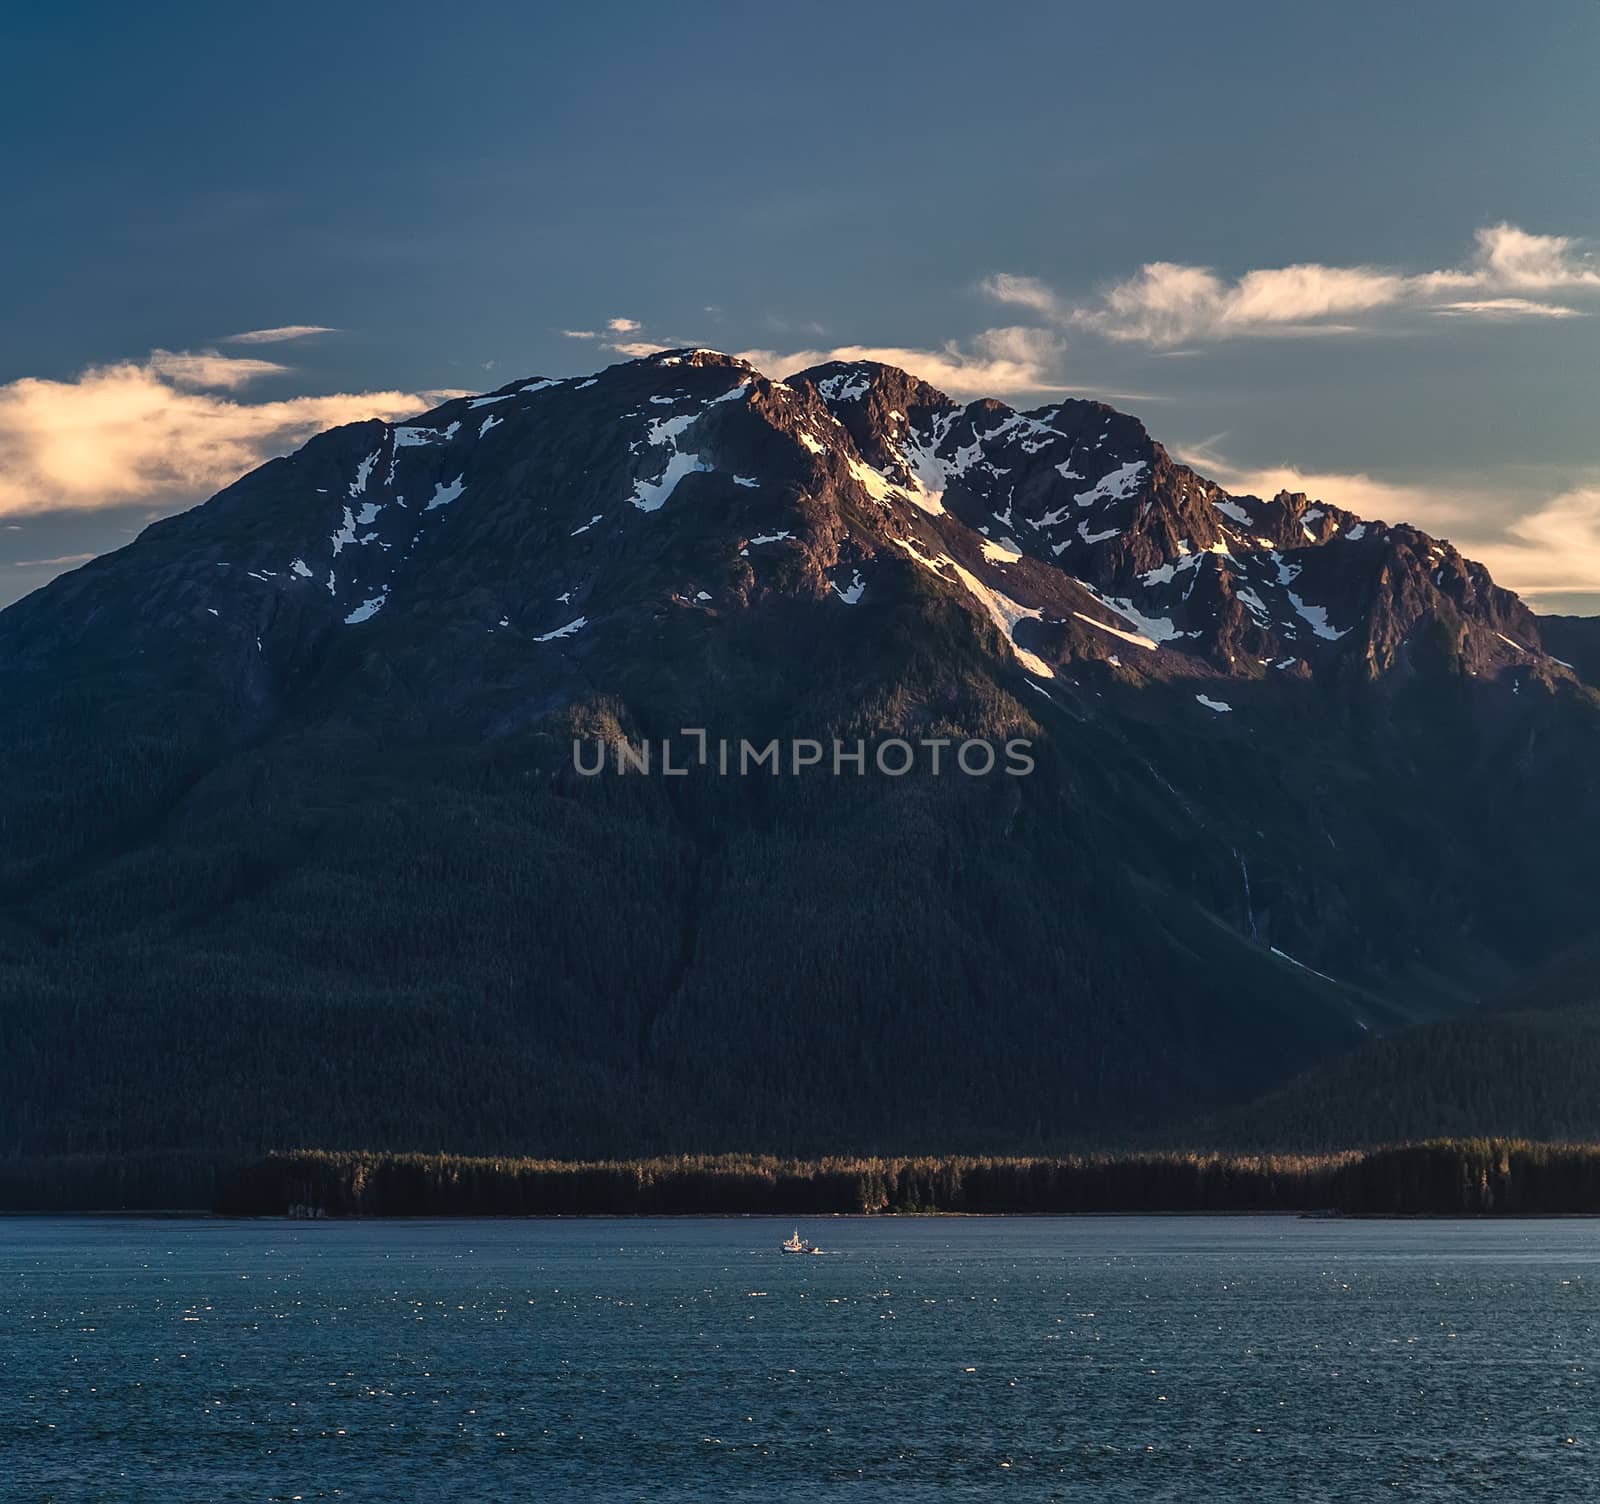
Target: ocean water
x,y
1115,1358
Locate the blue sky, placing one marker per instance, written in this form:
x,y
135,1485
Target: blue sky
x,y
1350,248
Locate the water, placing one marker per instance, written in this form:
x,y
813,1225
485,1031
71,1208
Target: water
x,y
1117,1358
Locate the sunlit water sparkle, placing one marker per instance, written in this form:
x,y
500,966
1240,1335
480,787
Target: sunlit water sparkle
x,y
1117,1358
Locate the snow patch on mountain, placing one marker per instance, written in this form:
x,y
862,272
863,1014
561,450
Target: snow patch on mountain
x,y
850,594
444,494
346,535
1136,638
652,495
927,475
876,484
571,629
368,608
363,472
409,436
1160,628
1316,617
1004,612
1118,485
848,386
527,389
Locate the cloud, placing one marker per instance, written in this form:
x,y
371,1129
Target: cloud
x,y
277,336
208,369
579,333
147,432
61,561
1172,303
634,349
786,326
1509,308
1553,550
1026,292
623,326
1514,258
995,363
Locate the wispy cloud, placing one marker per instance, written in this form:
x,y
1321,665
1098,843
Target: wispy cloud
x,y
1170,303
61,561
152,432
995,363
1554,550
635,348
1025,292
277,336
208,369
613,328
1509,308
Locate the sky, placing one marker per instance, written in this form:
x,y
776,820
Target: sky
x,y
1352,250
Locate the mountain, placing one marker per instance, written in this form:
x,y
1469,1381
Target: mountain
x,y
298,849
1524,1064
1576,641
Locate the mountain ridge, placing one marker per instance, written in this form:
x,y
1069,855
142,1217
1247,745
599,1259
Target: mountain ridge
x,y
1142,521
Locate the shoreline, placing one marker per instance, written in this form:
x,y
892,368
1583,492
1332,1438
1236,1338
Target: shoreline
x,y
1471,1177
202,1214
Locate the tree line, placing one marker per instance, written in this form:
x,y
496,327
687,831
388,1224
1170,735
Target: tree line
x,y
1471,1177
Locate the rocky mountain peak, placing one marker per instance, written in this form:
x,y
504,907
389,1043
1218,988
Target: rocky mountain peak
x,y
560,513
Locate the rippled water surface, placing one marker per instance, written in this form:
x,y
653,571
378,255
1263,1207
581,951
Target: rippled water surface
x,y
1080,1358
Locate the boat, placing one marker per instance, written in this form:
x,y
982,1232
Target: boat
x,y
794,1243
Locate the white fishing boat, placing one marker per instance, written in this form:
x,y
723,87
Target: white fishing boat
x,y
794,1243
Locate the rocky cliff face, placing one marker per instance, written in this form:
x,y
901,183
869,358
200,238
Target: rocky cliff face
x,y
564,511
1301,777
